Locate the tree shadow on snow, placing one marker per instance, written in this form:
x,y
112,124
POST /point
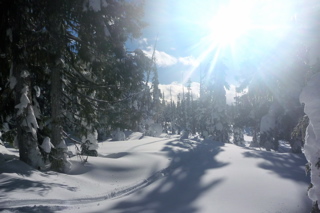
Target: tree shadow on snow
x,y
289,166
116,155
16,166
12,184
181,186
35,209
22,181
185,144
144,144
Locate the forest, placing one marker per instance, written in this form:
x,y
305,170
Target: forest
x,y
69,84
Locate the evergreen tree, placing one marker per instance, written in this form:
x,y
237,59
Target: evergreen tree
x,y
156,95
214,103
220,119
18,25
78,48
238,121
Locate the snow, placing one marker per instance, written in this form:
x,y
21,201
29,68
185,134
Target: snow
x,y
31,122
157,175
154,130
118,135
24,100
12,79
47,145
36,108
38,91
133,135
24,74
92,137
62,145
5,155
310,97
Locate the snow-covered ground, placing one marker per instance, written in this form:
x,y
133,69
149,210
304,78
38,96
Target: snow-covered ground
x,y
160,175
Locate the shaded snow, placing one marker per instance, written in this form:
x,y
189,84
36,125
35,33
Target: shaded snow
x,y
24,74
46,145
38,91
24,100
161,175
118,135
92,137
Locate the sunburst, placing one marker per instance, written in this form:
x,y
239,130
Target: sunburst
x,y
242,28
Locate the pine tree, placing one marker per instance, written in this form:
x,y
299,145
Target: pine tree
x,y
18,24
76,47
219,116
156,95
238,120
213,103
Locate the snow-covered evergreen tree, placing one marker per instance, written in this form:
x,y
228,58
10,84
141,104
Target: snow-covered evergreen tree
x,y
16,25
310,97
256,101
219,113
77,47
213,103
238,121
156,95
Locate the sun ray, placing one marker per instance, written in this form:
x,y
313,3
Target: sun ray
x,y
242,29
237,31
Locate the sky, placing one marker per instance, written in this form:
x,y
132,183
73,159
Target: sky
x,y
191,36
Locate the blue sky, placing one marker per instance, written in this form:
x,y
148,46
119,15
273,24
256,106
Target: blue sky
x,y
191,34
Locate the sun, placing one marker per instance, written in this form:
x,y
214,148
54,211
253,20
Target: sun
x,y
247,26
235,31
229,23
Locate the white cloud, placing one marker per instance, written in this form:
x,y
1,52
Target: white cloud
x,y
143,41
177,88
162,59
188,61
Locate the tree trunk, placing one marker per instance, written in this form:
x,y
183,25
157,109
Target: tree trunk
x,y
59,161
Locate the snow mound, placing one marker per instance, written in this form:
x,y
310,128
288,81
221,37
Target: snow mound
x,y
133,135
5,154
118,135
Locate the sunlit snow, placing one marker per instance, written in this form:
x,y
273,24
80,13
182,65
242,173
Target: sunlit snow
x,y
160,174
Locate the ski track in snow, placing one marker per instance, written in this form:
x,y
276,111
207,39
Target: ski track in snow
x,y
12,204
111,195
42,205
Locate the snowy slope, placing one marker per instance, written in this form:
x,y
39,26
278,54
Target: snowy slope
x,y
160,175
